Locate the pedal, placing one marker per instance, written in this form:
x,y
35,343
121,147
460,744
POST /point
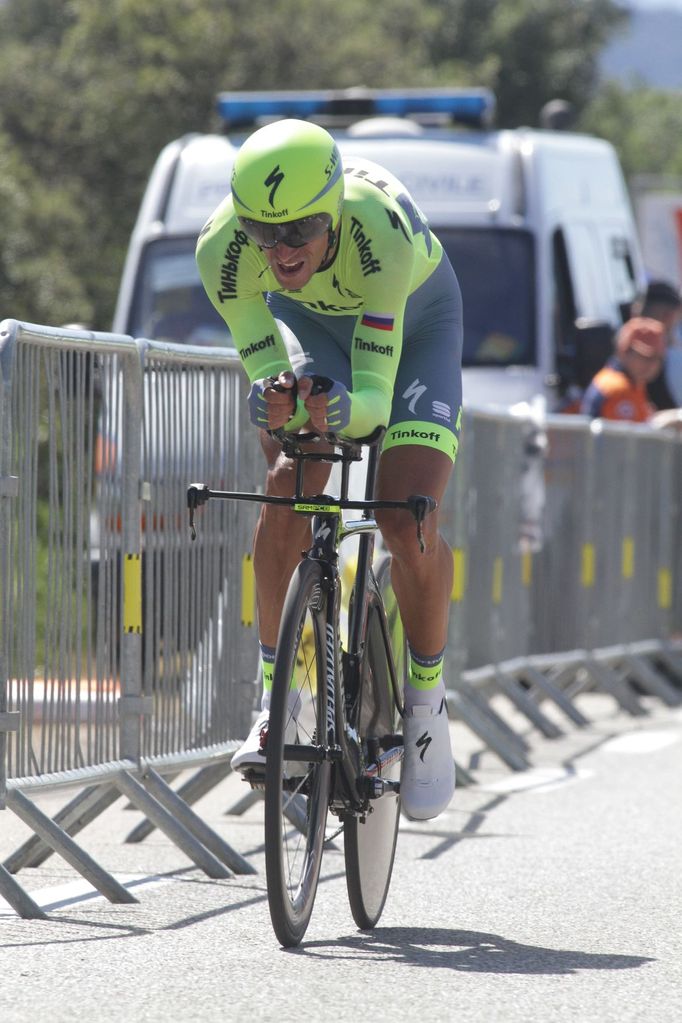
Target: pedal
x,y
255,778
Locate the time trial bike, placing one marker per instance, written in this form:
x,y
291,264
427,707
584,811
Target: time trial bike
x,y
333,742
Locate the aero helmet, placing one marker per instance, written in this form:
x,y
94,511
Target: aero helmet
x,y
288,170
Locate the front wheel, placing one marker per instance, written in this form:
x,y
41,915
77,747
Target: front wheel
x,y
297,792
370,843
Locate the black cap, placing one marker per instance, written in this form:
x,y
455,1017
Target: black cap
x,y
664,293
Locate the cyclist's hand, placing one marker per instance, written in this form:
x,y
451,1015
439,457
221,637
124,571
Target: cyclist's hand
x,y
272,408
329,408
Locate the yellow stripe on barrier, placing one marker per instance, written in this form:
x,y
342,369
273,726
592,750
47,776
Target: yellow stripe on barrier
x,y
248,591
665,589
628,558
498,580
526,568
587,565
132,593
459,575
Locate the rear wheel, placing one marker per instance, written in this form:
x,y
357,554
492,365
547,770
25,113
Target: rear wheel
x,y
370,843
297,791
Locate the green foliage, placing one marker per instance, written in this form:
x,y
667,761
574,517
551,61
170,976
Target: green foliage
x,y
526,51
91,91
644,124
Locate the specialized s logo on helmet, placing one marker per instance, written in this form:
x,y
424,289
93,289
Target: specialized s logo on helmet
x,y
333,160
273,181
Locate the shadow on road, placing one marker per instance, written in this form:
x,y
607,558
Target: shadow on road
x,y
467,951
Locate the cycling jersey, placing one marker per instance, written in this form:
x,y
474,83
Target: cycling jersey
x,y
386,252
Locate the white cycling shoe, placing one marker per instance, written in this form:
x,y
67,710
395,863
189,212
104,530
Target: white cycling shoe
x,y
427,781
251,754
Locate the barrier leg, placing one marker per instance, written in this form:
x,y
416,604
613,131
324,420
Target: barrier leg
x,y
62,843
19,900
514,691
73,817
483,727
190,792
619,688
652,681
172,828
476,699
536,678
172,801
245,803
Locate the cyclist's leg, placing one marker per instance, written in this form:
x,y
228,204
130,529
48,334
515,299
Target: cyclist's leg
x,y
281,535
316,344
419,452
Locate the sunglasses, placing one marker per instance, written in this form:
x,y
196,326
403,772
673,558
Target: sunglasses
x,y
294,233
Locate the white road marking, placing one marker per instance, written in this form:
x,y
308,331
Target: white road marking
x,y
538,779
74,892
641,742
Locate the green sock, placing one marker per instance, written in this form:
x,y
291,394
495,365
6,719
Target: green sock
x,y
425,686
267,661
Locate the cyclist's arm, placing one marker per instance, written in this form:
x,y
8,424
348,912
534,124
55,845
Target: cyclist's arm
x,y
377,344
259,344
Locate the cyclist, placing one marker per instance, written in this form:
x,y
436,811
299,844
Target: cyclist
x,y
330,269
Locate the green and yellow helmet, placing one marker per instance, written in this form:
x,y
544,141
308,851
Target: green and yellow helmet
x,y
286,171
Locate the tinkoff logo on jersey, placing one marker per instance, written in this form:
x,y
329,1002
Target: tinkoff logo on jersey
x,y
257,346
425,433
361,345
377,322
370,265
230,266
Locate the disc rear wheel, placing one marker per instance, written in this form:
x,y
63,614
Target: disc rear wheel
x,y
370,843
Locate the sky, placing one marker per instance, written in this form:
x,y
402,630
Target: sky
x,y
652,5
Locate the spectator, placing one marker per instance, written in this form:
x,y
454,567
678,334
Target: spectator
x,y
663,302
618,391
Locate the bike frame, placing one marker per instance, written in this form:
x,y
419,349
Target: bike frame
x,y
357,782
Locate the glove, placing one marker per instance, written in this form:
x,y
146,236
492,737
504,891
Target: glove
x,y
258,406
338,405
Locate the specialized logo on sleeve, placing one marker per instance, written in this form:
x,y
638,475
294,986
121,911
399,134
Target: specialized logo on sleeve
x,y
273,181
414,391
377,322
257,346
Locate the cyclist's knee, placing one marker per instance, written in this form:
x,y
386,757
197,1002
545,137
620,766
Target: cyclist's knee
x,y
399,532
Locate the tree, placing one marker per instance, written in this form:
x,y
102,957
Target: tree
x,y
644,124
92,91
526,51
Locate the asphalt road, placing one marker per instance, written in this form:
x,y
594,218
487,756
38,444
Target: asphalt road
x,y
555,894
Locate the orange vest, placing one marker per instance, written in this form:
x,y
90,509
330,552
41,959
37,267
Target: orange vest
x,y
613,395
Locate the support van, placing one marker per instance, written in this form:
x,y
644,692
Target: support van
x,y
538,225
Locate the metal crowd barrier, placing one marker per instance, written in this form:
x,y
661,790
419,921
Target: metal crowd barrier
x,y
128,653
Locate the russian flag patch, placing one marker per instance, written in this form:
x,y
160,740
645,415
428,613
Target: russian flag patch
x,y
377,322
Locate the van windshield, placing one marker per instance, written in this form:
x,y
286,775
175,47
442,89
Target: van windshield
x,y
170,303
495,268
496,272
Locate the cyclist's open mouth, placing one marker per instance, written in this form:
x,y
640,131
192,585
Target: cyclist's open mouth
x,y
290,269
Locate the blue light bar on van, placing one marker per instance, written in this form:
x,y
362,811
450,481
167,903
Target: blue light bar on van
x,y
474,107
